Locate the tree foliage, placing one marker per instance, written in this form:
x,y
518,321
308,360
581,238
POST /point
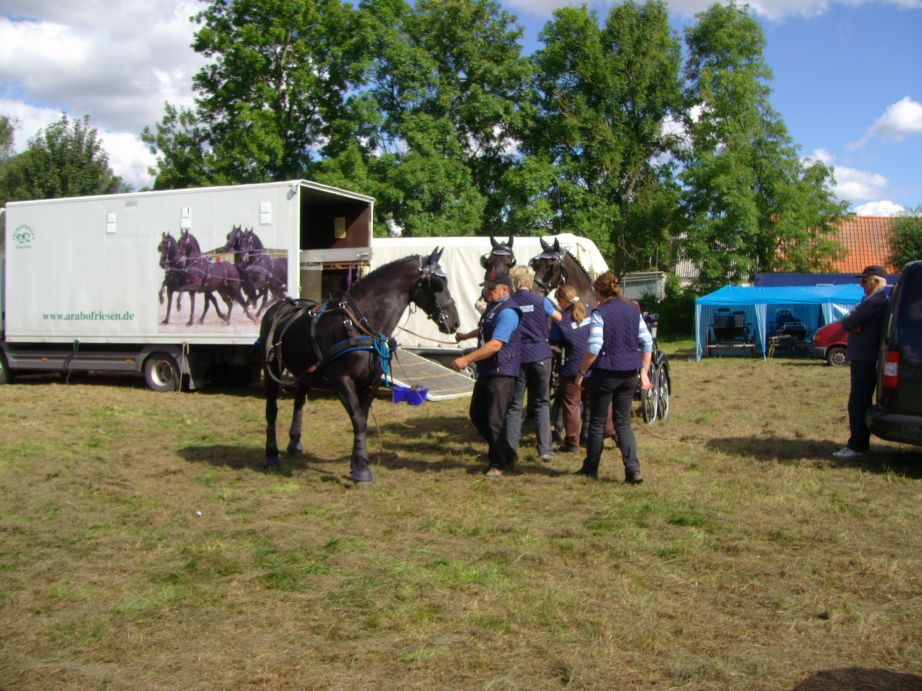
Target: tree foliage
x,y
277,81
447,80
906,238
604,95
751,205
66,159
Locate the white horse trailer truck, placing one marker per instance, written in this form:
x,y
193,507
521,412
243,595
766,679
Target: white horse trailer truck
x,y
123,283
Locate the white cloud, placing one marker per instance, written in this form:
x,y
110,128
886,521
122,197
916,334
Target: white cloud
x,y
900,120
881,208
117,61
852,185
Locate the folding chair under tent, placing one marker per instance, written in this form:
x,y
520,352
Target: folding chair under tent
x,y
759,309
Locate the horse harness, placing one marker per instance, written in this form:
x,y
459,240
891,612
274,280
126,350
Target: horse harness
x,y
554,256
359,336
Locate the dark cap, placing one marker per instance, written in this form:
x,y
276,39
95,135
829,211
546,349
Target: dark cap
x,y
496,278
872,270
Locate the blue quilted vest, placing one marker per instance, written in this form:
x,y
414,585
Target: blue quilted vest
x,y
507,362
620,346
575,337
533,326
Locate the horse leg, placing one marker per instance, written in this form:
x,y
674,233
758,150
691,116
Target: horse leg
x,y
169,304
208,298
357,407
272,412
192,309
294,434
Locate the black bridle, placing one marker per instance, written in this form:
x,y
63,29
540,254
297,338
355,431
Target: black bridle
x,y
553,274
428,287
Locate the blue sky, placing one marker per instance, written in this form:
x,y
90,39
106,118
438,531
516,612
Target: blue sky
x,y
847,78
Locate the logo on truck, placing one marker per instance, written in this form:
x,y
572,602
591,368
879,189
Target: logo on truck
x,y
23,237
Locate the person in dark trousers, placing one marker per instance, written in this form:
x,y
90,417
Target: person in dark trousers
x,y
572,334
619,345
535,373
498,363
864,325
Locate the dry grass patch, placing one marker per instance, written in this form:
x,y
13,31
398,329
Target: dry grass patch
x,y
144,545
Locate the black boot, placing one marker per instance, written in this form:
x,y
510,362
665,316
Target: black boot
x,y
589,470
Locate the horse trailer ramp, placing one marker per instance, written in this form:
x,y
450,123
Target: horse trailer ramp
x,y
410,369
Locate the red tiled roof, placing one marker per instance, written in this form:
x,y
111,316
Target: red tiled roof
x,y
867,241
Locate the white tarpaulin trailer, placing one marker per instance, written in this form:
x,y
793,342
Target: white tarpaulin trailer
x,y
83,276
461,261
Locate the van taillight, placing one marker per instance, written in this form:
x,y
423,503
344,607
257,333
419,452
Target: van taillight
x,y
891,369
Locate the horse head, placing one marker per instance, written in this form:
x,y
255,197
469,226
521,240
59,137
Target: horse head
x,y
431,294
548,266
234,238
168,250
500,258
188,246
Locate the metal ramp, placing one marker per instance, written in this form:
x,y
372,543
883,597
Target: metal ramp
x,y
410,369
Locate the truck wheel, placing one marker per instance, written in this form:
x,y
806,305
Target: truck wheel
x,y
5,376
835,356
161,373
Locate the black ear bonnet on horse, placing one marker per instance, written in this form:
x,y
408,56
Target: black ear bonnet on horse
x,y
500,249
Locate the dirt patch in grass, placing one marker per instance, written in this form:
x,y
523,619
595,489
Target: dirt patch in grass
x,y
143,545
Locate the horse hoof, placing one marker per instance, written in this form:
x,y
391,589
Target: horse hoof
x,y
295,448
361,476
272,462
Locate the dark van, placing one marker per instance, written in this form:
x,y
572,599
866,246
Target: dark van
x,y
897,416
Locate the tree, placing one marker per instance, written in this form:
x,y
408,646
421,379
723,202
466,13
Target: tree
x,y
7,137
906,240
277,80
604,96
751,205
66,159
446,79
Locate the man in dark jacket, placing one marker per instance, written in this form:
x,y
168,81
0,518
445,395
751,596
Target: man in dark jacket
x,y
498,358
864,325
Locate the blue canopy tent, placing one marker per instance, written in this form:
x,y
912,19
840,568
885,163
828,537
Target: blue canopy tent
x,y
755,312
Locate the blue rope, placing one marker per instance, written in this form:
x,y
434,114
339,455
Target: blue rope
x,y
385,352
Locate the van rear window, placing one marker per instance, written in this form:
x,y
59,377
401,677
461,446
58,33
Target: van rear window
x,y
909,315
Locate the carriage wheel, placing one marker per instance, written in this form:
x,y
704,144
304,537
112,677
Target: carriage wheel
x,y
649,400
161,373
663,387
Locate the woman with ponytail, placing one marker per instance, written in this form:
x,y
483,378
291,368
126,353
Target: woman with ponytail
x,y
572,333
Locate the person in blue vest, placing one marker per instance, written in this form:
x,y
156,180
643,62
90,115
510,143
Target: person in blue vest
x,y
864,325
619,345
498,363
535,374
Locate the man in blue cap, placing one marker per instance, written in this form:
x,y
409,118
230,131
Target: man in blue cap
x,y
498,362
864,325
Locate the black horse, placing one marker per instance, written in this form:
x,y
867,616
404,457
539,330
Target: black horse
x,y
209,276
235,245
555,266
347,343
174,279
266,275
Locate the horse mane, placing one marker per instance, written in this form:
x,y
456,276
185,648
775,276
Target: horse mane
x,y
579,265
381,269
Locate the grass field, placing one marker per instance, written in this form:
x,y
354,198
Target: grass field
x,y
144,546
